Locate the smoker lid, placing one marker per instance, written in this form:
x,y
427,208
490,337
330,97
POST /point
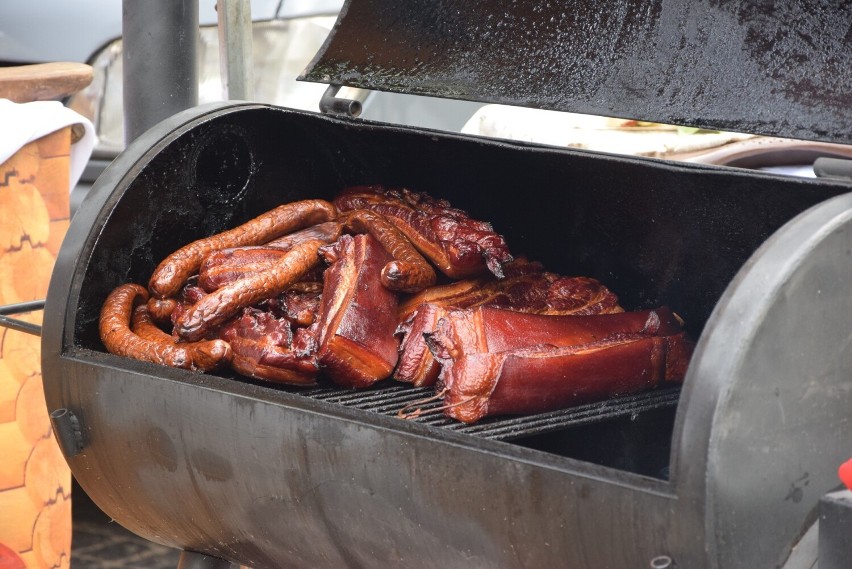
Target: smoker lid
x,y
777,68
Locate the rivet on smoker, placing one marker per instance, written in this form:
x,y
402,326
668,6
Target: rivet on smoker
x,y
663,562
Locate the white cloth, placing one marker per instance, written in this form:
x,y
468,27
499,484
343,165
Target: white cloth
x,y
801,171
591,132
21,123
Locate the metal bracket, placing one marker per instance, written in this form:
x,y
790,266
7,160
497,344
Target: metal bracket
x,y
331,104
836,168
20,325
68,432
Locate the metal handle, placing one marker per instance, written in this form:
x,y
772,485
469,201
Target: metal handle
x,y
838,168
69,434
331,104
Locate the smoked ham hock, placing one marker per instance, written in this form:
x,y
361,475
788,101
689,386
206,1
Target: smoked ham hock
x,y
526,287
501,362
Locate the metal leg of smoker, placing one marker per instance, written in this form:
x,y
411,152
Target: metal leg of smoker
x,y
835,529
192,560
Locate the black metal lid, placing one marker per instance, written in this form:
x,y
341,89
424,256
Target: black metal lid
x,y
763,67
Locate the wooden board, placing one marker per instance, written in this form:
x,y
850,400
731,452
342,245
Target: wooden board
x,y
43,81
35,482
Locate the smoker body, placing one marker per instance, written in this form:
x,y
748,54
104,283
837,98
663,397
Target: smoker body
x,y
262,475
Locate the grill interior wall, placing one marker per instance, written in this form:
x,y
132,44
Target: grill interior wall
x,y
653,232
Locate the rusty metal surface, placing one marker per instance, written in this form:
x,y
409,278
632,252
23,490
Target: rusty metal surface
x,y
763,67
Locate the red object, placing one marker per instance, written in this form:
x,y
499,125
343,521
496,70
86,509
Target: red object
x,y
845,473
9,559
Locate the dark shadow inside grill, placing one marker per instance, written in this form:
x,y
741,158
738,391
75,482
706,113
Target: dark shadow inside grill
x,y
622,439
623,432
629,432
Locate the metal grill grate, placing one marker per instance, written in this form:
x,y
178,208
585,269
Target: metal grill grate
x,y
390,399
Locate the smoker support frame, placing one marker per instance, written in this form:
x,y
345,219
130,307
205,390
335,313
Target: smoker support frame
x,y
835,527
192,560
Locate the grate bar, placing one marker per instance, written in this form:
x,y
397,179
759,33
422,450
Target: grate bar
x,y
364,399
390,398
519,427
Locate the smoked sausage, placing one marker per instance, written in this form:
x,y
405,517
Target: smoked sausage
x,y
174,270
120,339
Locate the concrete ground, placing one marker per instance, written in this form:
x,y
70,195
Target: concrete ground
x,y
99,543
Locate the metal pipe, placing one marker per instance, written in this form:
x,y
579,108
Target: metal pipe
x,y
20,307
20,325
235,49
331,104
160,61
